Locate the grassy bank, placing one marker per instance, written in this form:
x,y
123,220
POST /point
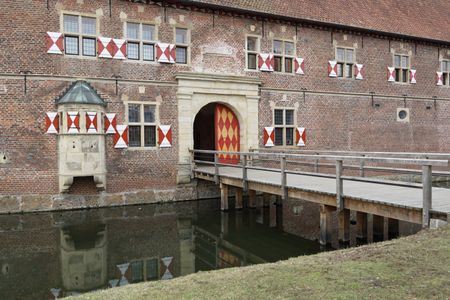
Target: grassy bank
x,y
408,268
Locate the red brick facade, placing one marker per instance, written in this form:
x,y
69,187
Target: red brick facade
x,y
335,115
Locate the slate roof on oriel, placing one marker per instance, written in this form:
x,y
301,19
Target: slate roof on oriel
x,y
427,19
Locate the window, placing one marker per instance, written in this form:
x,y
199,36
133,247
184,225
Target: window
x,y
284,52
182,44
140,41
345,60
252,49
284,127
401,64
141,125
144,270
445,69
80,35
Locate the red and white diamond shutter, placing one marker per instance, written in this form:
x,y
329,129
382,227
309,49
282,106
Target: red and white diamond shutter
x,y
439,78
165,136
412,76
360,72
110,123
121,137
265,62
55,42
105,47
301,137
166,268
51,122
91,122
299,65
120,49
332,68
269,136
391,74
73,122
165,53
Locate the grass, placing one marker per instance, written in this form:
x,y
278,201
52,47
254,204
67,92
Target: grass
x,y
416,267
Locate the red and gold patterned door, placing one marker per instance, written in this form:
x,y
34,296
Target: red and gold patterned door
x,y
227,134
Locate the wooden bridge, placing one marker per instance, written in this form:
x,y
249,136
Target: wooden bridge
x,y
278,173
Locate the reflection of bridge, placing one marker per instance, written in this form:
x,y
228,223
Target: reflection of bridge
x,y
355,197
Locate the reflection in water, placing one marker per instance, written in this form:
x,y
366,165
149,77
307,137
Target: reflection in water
x,y
49,255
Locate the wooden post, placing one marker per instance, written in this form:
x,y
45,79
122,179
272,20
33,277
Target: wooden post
x,y
216,168
244,173
223,197
252,198
283,178
344,225
339,186
325,216
224,220
385,229
427,194
238,199
361,223
369,228
353,228
273,214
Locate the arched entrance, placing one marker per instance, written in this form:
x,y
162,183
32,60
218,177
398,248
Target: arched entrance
x,y
216,127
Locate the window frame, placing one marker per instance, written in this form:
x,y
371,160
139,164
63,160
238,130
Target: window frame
x,y
284,56
284,126
80,35
140,41
183,45
142,123
445,74
345,63
144,268
255,52
401,69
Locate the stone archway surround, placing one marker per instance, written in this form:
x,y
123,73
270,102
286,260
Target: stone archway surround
x,y
195,90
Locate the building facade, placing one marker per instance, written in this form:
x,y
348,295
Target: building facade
x,y
102,100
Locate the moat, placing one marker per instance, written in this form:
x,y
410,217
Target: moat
x,y
49,255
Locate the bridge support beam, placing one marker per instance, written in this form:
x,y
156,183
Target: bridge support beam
x,y
369,228
238,204
326,213
361,224
353,228
344,226
223,197
252,199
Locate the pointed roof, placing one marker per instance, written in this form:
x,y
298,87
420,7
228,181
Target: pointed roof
x,y
81,92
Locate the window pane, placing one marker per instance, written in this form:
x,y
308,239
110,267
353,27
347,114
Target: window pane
x,y
134,136
340,54
89,25
289,136
71,23
133,31
288,65
277,63
405,75
443,66
397,74
181,36
340,70
251,43
397,61
181,57
289,48
148,52
152,269
133,50
149,136
149,113
278,117
404,61
252,61
278,136
148,32
349,55
134,113
137,271
71,45
349,70
89,47
289,117
278,47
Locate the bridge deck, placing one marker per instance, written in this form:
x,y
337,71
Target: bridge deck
x,y
395,196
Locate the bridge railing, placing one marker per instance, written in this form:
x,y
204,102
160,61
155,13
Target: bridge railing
x,y
338,158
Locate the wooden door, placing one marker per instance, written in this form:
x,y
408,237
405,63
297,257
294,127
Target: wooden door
x,y
227,134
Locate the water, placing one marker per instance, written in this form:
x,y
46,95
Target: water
x,y
48,255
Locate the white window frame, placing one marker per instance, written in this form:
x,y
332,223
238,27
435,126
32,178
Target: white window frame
x,y
401,69
184,45
283,55
140,40
80,35
255,52
345,63
142,123
284,125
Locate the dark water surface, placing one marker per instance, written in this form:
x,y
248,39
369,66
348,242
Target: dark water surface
x,y
59,254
